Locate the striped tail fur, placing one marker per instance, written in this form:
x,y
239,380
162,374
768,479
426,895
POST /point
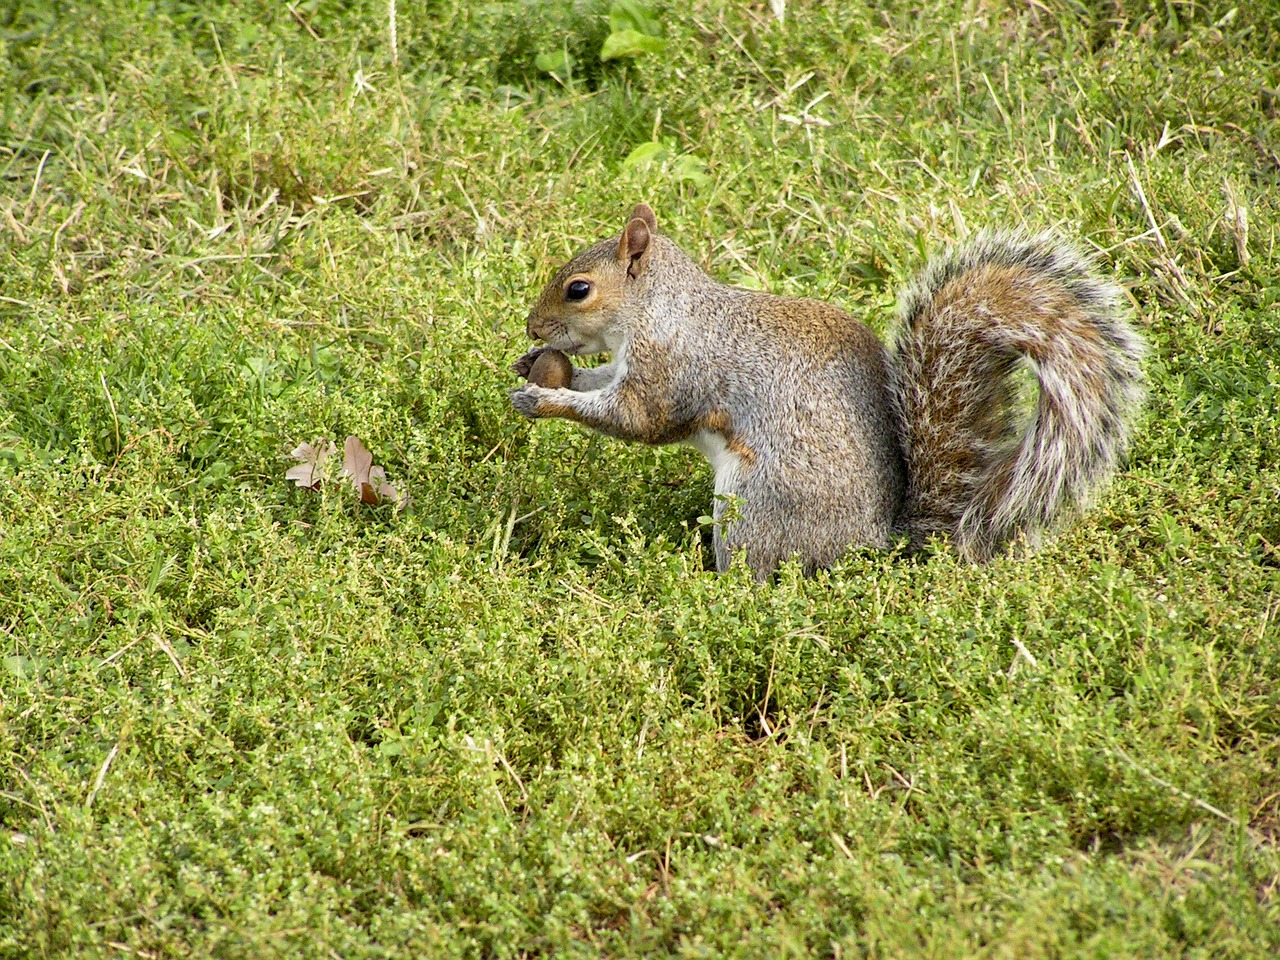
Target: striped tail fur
x,y
980,467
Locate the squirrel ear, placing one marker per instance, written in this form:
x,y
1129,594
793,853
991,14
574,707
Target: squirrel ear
x,y
633,247
645,212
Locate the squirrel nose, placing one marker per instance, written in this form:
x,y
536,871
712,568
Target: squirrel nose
x,y
531,326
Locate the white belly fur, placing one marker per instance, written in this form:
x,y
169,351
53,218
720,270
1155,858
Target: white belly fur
x,y
726,464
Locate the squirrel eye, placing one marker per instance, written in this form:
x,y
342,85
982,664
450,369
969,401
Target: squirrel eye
x,y
577,290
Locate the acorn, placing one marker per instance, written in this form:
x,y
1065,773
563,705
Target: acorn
x,y
551,369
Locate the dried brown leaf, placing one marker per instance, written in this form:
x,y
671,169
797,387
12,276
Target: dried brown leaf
x,y
311,471
385,491
356,461
369,479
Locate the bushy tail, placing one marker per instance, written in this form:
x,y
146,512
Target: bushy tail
x,y
985,464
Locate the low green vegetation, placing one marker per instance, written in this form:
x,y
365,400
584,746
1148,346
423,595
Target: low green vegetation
x,y
519,716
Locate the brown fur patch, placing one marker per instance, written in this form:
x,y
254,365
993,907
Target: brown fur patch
x,y
1016,294
736,446
818,330
549,408
717,421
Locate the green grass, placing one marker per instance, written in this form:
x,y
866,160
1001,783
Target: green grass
x,y
521,717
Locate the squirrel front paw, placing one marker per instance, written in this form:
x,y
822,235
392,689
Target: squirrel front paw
x,y
536,402
522,366
528,400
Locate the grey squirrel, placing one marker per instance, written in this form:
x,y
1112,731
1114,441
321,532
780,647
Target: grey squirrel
x,y
825,438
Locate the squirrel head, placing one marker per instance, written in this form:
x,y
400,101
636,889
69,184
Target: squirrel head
x,y
592,296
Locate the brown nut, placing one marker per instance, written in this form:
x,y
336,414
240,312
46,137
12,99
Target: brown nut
x,y
551,369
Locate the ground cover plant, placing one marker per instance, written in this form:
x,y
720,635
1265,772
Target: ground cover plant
x,y
517,715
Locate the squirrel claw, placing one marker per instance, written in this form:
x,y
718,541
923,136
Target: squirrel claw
x,y
522,366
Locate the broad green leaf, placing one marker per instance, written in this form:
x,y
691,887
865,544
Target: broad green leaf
x,y
691,169
630,43
557,61
631,15
644,155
